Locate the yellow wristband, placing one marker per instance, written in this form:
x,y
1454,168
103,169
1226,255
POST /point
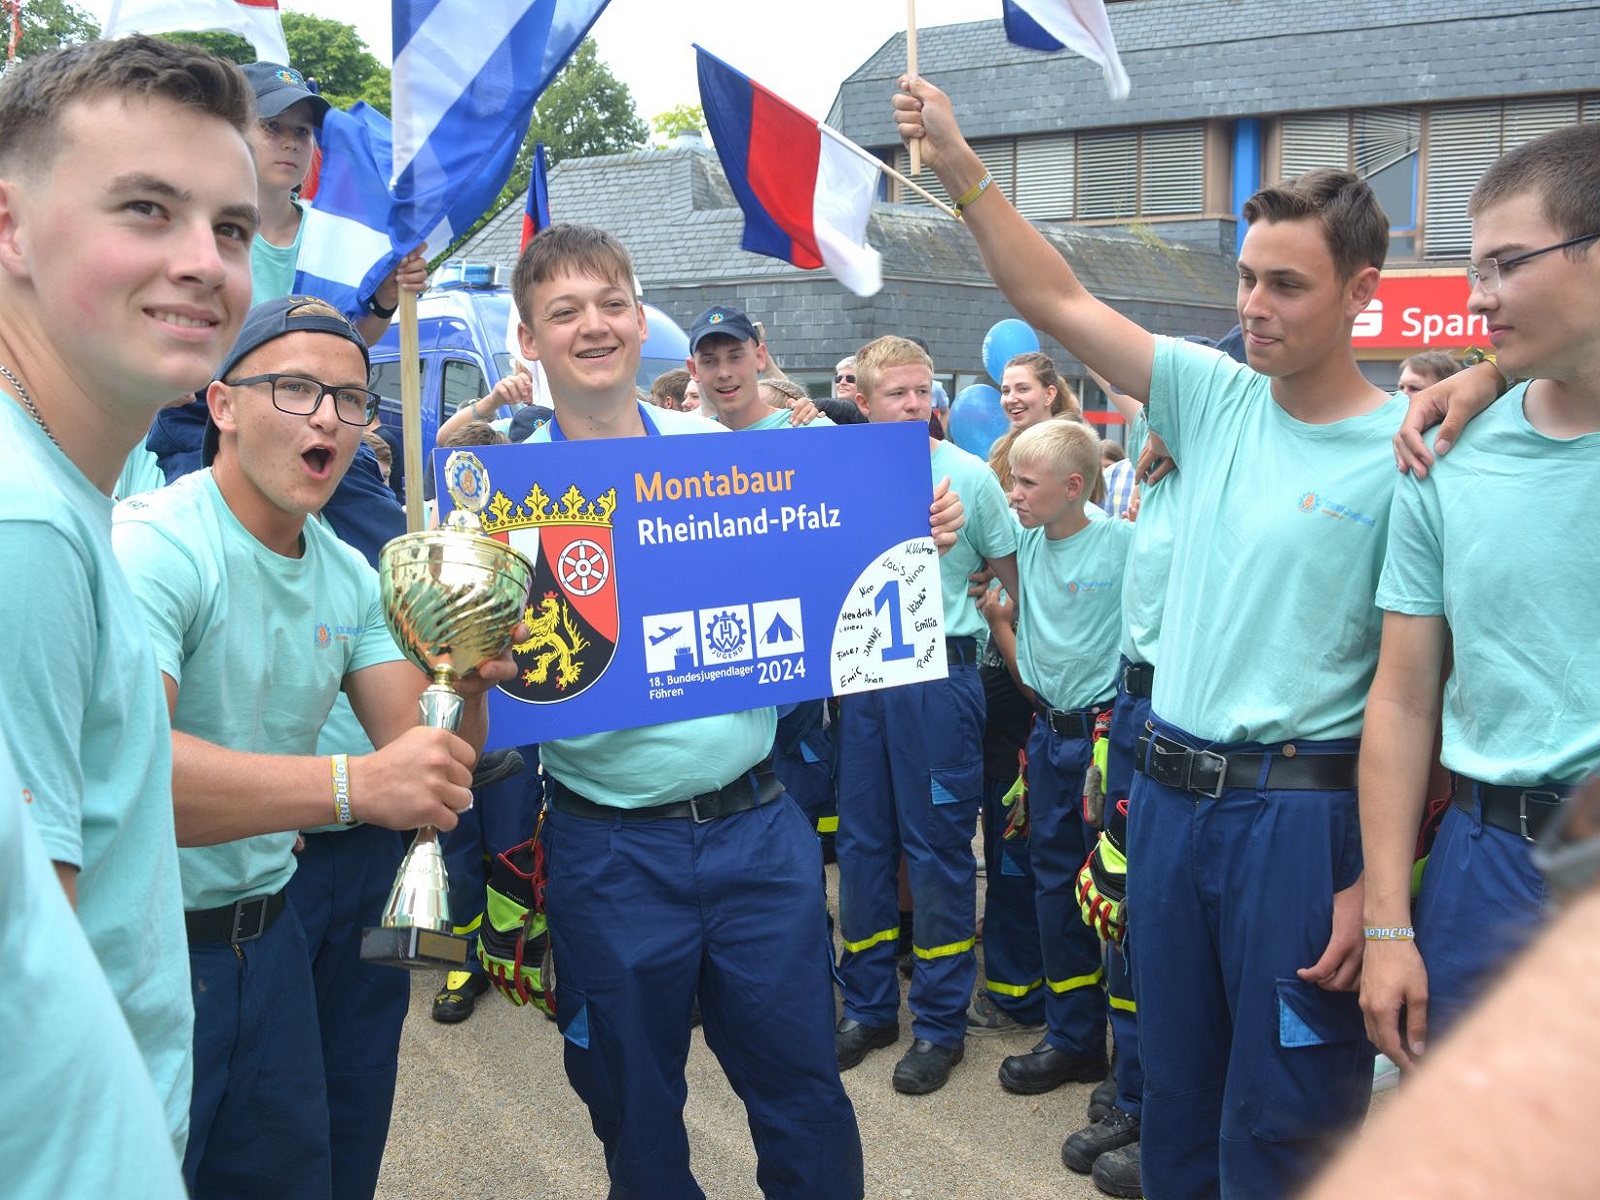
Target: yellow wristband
x,y
972,193
341,789
1390,933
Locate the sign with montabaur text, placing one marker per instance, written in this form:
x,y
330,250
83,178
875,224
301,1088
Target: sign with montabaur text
x,y
678,577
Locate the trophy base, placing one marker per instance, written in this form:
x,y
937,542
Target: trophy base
x,y
413,948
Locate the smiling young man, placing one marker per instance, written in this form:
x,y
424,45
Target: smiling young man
x,y
727,358
260,616
127,204
1244,860
1506,602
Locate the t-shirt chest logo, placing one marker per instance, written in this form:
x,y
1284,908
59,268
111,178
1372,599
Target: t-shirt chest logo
x,y
1319,504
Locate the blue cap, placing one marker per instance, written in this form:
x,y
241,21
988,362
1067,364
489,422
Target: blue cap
x,y
723,320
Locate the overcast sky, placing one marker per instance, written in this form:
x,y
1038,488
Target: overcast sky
x,y
800,50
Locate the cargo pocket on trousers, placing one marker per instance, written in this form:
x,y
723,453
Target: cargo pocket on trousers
x,y
587,1066
1320,1078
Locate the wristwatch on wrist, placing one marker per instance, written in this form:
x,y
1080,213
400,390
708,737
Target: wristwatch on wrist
x,y
379,310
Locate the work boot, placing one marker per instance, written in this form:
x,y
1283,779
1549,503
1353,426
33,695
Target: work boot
x,y
925,1067
1103,1097
1116,1172
459,996
1046,1068
985,1017
1116,1129
852,1041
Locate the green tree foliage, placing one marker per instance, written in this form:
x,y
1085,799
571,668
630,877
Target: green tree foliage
x,y
48,25
685,118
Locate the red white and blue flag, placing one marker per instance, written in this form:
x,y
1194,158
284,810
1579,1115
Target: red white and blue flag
x,y
1077,25
805,190
256,21
536,215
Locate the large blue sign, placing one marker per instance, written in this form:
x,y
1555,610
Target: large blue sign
x,y
678,577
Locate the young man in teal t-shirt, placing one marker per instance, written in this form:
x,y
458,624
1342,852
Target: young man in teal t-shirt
x,y
127,204
1244,858
1486,573
911,777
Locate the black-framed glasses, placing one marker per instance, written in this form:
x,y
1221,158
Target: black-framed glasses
x,y
1486,272
844,378
300,396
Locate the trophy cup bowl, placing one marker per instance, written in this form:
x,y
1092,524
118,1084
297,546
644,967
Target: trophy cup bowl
x,y
452,598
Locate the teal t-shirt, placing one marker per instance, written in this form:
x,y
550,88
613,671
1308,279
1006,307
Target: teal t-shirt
x,y
1144,583
258,644
1270,633
78,1113
780,420
1493,541
1070,612
86,717
141,473
272,267
657,764
990,532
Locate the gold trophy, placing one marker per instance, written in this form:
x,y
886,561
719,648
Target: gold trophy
x,y
452,598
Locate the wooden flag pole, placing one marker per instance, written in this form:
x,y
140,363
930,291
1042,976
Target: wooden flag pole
x,y
411,407
911,69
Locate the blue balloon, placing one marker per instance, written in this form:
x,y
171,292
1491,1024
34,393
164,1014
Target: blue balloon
x,y
1004,341
977,421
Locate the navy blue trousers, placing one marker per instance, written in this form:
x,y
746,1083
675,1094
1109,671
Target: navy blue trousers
x,y
501,816
804,756
1012,966
1127,724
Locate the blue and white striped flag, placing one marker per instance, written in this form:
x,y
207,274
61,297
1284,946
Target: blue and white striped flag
x,y
466,75
1077,25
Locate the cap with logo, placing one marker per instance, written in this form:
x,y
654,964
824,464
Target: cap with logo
x,y
722,320
277,87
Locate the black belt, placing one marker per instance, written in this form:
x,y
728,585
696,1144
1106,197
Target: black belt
x,y
1137,679
243,921
754,788
959,650
1525,812
1175,765
1071,723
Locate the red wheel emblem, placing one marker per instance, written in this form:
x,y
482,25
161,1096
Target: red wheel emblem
x,y
583,567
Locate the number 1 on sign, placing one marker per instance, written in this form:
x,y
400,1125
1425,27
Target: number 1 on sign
x,y
898,647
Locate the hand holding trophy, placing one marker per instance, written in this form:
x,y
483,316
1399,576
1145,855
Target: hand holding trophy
x,y
452,598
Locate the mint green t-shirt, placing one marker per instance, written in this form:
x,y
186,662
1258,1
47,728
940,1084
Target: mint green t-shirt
x,y
1070,611
78,1114
657,764
1498,540
1270,633
272,267
258,644
990,532
780,420
1144,584
86,718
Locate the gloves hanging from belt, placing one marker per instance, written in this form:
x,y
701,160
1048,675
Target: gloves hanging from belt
x,y
512,939
1015,802
1103,881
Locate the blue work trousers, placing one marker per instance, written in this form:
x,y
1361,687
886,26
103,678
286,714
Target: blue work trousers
x,y
1058,844
1012,966
803,759
646,915
910,779
258,1117
502,815
1127,726
1249,1072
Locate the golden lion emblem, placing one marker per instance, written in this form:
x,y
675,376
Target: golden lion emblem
x,y
554,638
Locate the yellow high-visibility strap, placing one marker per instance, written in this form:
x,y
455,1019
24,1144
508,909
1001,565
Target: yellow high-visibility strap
x,y
1077,981
1121,1005
828,824
944,951
883,935
1012,989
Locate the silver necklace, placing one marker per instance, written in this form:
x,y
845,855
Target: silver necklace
x,y
27,403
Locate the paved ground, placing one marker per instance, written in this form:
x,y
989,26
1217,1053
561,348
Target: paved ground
x,y
484,1110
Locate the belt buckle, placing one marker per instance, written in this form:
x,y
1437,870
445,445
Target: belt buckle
x,y
1222,772
1522,809
241,911
694,808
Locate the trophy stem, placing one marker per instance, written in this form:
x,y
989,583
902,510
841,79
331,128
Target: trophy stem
x,y
440,703
420,897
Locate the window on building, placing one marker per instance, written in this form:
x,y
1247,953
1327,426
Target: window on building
x,y
1382,145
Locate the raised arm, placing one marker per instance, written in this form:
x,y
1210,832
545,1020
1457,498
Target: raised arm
x,y
1027,268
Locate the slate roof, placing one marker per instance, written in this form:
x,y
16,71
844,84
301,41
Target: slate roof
x,y
1193,59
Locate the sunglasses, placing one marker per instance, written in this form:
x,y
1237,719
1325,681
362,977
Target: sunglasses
x,y
844,378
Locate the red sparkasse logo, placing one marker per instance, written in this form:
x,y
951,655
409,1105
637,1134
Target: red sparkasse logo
x,y
1415,312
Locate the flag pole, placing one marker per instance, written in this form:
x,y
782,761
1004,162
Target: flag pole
x,y
911,69
411,407
889,171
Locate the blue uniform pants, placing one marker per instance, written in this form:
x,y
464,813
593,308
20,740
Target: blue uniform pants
x,y
1058,844
258,1117
339,887
1127,725
1482,900
803,758
1248,1071
910,778
1012,966
502,816
647,915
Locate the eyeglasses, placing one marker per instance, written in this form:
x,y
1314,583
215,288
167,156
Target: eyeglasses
x,y
844,378
1486,272
300,397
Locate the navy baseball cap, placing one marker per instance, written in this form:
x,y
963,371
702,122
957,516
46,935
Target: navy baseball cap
x,y
277,87
725,320
269,321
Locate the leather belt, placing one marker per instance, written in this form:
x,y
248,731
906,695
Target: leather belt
x,y
1206,772
959,650
243,921
754,788
1137,679
1071,723
1523,811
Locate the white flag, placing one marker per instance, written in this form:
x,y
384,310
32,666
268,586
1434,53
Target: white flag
x,y
256,21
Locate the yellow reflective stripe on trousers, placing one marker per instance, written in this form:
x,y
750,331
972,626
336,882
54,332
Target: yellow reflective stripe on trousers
x,y
470,928
1121,1005
944,951
828,824
1012,989
885,935
1077,981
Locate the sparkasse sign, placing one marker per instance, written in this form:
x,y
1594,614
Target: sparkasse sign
x,y
1416,312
